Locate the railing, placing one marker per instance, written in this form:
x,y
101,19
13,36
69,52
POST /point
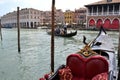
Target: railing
x,y
104,13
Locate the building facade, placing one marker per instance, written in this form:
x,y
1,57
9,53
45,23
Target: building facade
x,y
59,17
69,17
80,16
46,17
104,13
29,18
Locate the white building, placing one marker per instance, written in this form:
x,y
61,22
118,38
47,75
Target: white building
x,y
29,18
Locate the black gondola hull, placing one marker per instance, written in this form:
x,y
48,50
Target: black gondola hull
x,y
65,35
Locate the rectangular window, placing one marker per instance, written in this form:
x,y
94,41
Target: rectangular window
x,y
109,0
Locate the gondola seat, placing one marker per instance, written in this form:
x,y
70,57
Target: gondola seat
x,y
83,68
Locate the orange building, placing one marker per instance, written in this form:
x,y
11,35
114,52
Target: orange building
x,y
104,13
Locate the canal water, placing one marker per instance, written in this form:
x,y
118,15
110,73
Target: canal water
x,y
34,59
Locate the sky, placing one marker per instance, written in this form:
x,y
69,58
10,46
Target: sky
x,y
44,5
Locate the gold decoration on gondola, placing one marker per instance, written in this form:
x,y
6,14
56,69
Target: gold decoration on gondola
x,y
87,51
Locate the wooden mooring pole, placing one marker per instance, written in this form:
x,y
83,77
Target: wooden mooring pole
x,y
0,30
119,55
18,28
52,36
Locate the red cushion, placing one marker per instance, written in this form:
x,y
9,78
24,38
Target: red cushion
x,y
102,76
65,74
78,78
95,65
76,64
86,68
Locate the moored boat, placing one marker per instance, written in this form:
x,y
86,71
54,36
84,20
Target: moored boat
x,y
96,61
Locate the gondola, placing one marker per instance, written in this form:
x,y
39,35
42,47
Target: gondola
x,y
64,35
95,61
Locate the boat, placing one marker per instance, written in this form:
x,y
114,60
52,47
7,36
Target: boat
x,y
64,35
95,61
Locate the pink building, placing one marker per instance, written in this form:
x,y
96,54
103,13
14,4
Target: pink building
x,y
80,16
59,17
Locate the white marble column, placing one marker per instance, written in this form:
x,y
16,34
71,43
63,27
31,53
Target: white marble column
x,y
97,10
92,10
108,10
29,25
102,10
113,9
26,24
119,9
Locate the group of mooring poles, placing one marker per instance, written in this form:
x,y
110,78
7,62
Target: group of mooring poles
x,y
18,29
52,42
52,37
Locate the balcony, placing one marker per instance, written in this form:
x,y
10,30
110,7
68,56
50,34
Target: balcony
x,y
104,13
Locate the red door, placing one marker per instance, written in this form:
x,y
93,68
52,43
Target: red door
x,y
107,24
91,22
99,23
115,24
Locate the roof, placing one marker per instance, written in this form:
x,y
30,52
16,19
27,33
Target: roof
x,y
104,2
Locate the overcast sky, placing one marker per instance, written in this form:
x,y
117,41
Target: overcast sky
x,y
11,5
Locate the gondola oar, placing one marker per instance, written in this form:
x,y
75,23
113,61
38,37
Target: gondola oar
x,y
52,36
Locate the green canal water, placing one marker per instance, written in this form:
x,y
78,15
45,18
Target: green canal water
x,y
34,59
